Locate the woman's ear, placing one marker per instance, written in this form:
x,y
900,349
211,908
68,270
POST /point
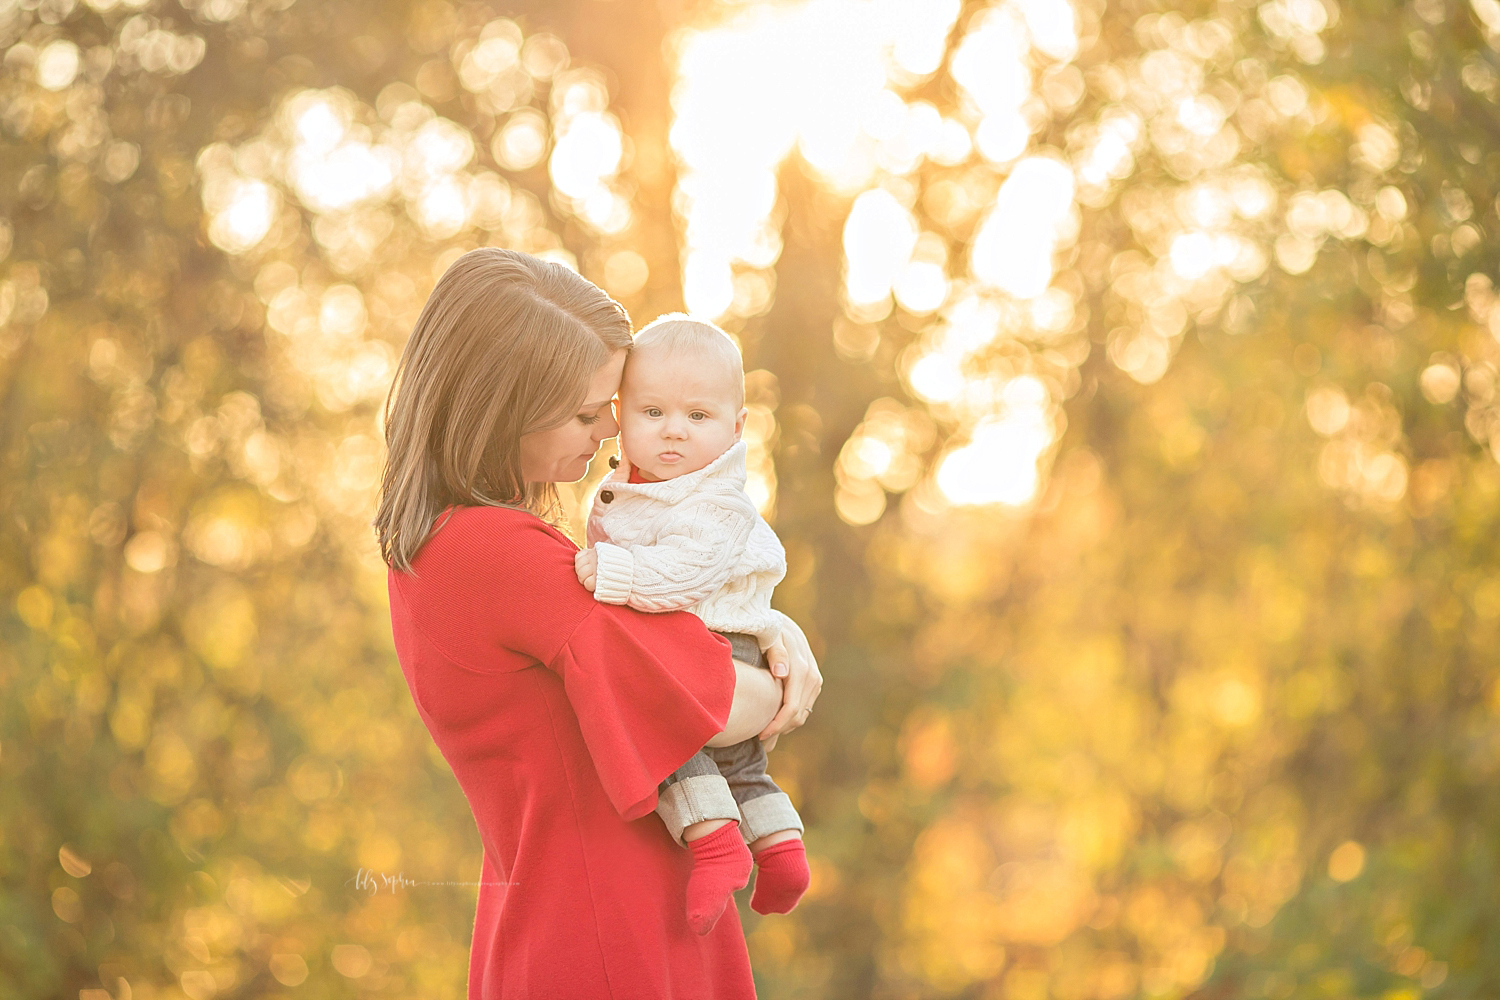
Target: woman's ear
x,y
739,423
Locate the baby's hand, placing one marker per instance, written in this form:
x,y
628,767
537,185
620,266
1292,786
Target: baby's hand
x,y
586,562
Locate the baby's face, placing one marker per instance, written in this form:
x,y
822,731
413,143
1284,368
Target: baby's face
x,y
677,413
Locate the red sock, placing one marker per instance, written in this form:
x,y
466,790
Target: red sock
x,y
783,877
721,864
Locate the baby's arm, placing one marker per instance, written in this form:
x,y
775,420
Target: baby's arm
x,y
690,560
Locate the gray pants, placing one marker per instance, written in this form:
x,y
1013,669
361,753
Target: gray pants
x,y
728,782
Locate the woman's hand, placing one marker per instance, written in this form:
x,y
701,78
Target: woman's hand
x,y
791,658
586,563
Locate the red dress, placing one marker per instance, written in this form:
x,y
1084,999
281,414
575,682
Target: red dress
x,y
560,716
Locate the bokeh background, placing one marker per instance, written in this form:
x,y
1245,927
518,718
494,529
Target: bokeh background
x,y
1123,386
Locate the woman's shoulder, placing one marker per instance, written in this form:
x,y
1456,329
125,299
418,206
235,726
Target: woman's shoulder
x,y
464,527
490,576
469,536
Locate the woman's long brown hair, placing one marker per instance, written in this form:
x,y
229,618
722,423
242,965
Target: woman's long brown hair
x,y
505,346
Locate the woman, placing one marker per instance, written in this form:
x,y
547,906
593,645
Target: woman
x,y
559,715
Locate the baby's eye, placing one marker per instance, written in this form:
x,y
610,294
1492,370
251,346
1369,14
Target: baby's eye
x,y
698,415
652,411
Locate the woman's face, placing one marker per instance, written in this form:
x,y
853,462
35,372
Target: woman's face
x,y
561,454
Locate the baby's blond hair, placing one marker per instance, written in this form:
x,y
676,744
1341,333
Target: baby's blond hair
x,y
680,334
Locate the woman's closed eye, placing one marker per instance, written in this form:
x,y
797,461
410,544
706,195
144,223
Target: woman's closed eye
x,y
593,416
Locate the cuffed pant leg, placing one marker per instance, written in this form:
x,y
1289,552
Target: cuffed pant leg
x,y
764,807
693,793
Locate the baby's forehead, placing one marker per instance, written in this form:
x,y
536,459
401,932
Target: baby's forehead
x,y
682,373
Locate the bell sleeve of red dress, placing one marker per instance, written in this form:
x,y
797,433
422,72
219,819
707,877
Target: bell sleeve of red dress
x,y
649,690
647,697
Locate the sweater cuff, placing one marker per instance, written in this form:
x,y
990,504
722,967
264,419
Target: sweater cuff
x,y
614,574
771,633
767,636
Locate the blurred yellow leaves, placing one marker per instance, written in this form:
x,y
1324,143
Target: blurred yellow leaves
x,y
379,851
351,960
171,765
311,779
1229,698
67,905
220,628
72,862
1119,715
952,925
1096,828
289,969
1346,861
928,749
1040,902
885,452
34,606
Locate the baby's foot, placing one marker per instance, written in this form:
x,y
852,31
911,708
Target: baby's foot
x,y
783,877
721,864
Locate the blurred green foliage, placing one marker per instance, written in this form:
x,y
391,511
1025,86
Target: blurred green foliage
x,y
1209,714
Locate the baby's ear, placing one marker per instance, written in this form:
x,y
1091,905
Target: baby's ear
x,y
739,423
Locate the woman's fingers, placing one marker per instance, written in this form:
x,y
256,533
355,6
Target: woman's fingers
x,y
801,687
784,722
776,656
804,681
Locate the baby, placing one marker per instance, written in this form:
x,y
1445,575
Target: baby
x,y
672,528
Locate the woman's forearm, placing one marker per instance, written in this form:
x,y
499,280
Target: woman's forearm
x,y
757,696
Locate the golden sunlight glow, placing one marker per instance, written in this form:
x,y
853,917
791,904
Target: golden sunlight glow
x,y
936,378
588,150
843,98
522,140
1014,247
831,98
350,168
879,236
837,99
999,464
990,67
494,57
326,172
57,64
885,453
246,217
951,227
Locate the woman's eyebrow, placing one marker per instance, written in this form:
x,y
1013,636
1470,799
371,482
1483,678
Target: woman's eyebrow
x,y
595,406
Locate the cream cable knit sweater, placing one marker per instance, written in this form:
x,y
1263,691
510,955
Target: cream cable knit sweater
x,y
695,542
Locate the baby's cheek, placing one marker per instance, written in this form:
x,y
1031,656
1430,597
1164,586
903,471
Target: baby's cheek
x,y
624,442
